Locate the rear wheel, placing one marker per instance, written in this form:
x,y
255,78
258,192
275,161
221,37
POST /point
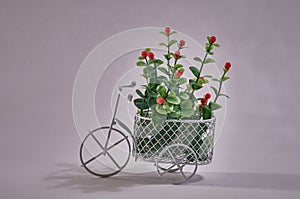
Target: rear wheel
x,y
176,157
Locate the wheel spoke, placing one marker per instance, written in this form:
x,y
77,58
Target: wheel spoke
x,y
97,141
115,144
171,154
182,173
178,165
112,159
167,170
174,159
93,158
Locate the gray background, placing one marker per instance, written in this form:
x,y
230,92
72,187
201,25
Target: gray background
x,y
42,44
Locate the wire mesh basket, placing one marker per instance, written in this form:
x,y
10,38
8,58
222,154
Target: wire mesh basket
x,y
150,139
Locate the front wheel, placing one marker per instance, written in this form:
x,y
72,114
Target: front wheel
x,y
105,153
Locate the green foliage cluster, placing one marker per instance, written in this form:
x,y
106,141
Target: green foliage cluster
x,y
167,94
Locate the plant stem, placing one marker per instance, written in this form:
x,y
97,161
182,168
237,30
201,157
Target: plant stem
x,y
220,86
146,74
168,56
201,67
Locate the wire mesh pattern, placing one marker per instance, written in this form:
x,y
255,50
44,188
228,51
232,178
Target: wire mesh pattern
x,y
151,139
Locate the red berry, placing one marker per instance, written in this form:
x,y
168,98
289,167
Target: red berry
x,y
227,65
207,96
203,101
160,100
202,78
167,30
179,73
213,39
151,55
144,54
177,54
200,106
181,43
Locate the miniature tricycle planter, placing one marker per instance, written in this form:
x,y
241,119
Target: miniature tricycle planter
x,y
176,146
174,127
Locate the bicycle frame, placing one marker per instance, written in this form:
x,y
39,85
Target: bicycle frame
x,y
114,120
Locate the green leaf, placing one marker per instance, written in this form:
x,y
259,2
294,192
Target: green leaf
x,y
168,107
141,58
168,56
173,32
173,99
186,113
144,76
224,95
151,101
217,45
173,87
147,50
197,59
173,41
140,93
206,112
175,115
209,60
186,104
163,70
151,91
163,33
163,79
189,87
141,63
162,91
214,106
203,82
207,46
195,71
207,76
158,120
215,90
208,38
151,61
163,44
225,78
211,53
160,110
148,69
196,86
177,66
216,80
184,95
158,62
182,80
140,104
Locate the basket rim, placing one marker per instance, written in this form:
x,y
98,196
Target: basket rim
x,y
182,120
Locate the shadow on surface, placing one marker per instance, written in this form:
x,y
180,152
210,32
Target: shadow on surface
x,y
271,181
74,177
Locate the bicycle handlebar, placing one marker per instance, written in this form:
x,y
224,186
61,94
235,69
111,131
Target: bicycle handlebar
x,y
132,85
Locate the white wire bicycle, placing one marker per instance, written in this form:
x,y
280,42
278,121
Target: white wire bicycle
x,y
177,147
